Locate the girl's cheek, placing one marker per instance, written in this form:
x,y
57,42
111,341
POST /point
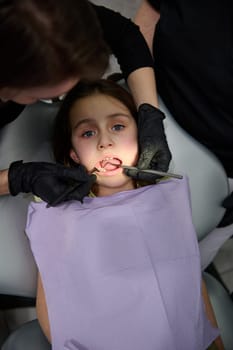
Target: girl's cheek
x,y
129,141
131,144
87,157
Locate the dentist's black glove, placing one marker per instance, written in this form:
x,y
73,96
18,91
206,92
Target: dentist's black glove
x,y
49,181
154,150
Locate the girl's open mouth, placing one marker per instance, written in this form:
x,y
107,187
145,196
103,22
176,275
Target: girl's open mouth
x,y
108,164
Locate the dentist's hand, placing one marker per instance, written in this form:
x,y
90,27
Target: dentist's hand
x,y
49,181
154,150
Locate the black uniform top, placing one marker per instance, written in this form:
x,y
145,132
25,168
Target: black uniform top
x,y
193,49
123,38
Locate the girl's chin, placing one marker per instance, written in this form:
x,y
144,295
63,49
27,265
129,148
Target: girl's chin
x,y
111,186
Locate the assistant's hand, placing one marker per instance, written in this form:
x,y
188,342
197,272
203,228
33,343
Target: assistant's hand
x,y
49,181
154,150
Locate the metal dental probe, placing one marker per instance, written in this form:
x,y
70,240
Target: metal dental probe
x,y
149,171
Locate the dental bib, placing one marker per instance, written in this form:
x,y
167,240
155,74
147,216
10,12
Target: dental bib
x,y
122,272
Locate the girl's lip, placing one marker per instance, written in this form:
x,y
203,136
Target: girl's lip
x,y
109,172
108,164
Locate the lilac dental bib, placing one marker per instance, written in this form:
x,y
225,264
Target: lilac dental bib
x,y
122,272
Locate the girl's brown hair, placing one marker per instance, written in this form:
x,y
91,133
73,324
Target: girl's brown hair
x,y
62,129
44,42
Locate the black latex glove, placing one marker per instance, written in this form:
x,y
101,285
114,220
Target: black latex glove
x,y
228,216
154,150
49,181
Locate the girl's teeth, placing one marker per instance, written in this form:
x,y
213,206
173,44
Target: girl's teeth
x,y
101,169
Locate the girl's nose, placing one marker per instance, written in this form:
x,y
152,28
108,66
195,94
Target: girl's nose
x,y
105,145
105,142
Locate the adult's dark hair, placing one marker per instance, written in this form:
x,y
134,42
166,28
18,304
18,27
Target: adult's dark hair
x,y
44,42
62,129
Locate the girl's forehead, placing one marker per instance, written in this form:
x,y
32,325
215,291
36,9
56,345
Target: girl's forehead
x,y
97,106
95,97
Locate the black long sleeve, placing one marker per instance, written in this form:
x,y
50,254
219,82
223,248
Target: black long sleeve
x,y
125,40
9,111
155,3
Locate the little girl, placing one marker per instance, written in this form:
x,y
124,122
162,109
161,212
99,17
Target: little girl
x,y
120,271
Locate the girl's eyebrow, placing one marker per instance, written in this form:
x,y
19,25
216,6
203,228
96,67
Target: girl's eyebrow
x,y
91,120
83,121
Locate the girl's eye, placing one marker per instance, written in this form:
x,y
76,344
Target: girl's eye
x,y
118,127
88,133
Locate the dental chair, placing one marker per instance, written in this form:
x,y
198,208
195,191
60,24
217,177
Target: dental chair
x,y
28,138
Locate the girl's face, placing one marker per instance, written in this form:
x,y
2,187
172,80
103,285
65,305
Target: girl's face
x,y
104,136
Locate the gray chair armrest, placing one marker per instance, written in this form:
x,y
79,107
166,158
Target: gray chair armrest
x,y
27,337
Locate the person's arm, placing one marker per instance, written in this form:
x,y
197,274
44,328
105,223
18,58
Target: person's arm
x,y
52,182
146,18
129,46
142,85
210,315
154,150
42,310
4,189
131,50
125,40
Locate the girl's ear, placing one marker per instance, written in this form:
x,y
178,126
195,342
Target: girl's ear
x,y
74,156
